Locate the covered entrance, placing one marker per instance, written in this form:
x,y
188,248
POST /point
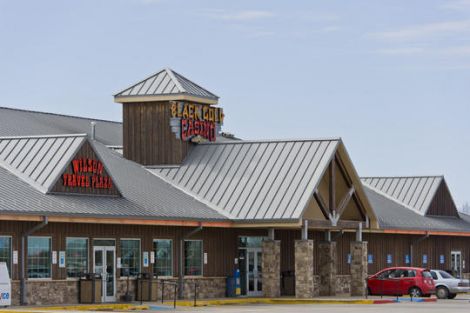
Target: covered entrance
x,y
250,265
456,263
104,263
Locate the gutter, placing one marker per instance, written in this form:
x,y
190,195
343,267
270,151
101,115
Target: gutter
x,y
415,242
181,260
23,256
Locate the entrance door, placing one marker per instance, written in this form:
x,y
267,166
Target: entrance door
x,y
456,263
104,264
254,279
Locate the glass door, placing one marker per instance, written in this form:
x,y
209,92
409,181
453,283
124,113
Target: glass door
x,y
104,264
456,263
254,280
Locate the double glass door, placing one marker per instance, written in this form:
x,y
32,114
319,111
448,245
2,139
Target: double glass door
x,y
254,279
104,263
456,263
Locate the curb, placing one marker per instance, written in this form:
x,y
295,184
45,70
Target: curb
x,y
277,301
92,307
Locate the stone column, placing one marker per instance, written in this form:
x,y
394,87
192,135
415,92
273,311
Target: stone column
x,y
358,268
327,268
271,267
304,281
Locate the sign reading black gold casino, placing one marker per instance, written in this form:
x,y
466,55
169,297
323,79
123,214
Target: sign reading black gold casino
x,y
195,122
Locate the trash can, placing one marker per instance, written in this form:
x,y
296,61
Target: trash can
x,y
147,287
90,288
5,285
288,283
230,287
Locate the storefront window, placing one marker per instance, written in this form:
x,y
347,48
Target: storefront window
x,y
5,252
250,242
130,257
163,257
193,257
39,257
76,256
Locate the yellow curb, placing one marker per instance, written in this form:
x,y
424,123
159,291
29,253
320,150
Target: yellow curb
x,y
241,301
91,307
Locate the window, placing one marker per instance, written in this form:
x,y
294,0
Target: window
x,y
193,257
163,265
426,274
76,256
130,257
434,275
446,275
5,251
39,257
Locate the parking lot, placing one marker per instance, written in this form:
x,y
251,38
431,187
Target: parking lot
x,y
458,305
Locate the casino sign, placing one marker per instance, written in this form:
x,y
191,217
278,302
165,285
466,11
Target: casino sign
x,y
195,122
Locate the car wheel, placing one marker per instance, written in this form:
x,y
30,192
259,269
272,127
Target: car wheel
x,y
415,292
442,292
452,295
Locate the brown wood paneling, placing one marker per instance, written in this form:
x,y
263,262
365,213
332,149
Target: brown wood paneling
x,y
148,138
442,203
85,152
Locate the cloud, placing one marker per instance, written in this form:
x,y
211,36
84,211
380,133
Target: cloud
x,y
455,51
458,5
424,31
244,15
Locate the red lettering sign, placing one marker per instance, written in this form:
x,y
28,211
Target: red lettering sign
x,y
87,173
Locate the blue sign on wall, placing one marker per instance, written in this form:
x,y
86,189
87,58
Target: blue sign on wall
x,y
442,259
407,259
349,259
389,259
370,259
425,259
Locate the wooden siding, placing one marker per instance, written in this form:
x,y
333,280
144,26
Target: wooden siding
x,y
85,152
220,244
147,135
442,203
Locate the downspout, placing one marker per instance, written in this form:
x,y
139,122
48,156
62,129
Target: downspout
x,y
181,261
23,256
414,242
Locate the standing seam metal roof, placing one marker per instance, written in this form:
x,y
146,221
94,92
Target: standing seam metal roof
x,y
166,82
253,180
413,192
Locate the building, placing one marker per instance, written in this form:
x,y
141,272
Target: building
x,y
165,192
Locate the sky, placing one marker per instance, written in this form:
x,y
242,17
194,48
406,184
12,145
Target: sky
x,y
391,78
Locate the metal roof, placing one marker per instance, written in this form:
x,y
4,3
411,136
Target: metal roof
x,y
413,192
253,180
15,122
393,215
166,83
38,160
143,195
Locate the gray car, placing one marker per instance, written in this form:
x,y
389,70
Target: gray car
x,y
447,286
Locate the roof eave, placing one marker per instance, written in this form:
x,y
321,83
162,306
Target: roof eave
x,y
169,97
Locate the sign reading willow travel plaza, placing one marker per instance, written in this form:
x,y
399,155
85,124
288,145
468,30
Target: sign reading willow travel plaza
x,y
191,121
87,173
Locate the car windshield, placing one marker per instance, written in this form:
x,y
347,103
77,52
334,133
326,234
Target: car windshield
x,y
446,275
427,274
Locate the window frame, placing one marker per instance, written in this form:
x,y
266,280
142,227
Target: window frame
x,y
202,258
10,270
87,256
172,258
50,259
120,256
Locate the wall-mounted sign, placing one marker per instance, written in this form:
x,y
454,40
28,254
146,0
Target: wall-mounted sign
x,y
15,257
87,173
425,259
442,259
195,122
54,257
145,258
349,258
370,259
407,259
389,259
61,259
152,257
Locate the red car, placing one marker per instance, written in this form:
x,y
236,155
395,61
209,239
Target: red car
x,y
398,281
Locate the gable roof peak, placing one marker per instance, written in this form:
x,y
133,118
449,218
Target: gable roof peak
x,y
166,85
